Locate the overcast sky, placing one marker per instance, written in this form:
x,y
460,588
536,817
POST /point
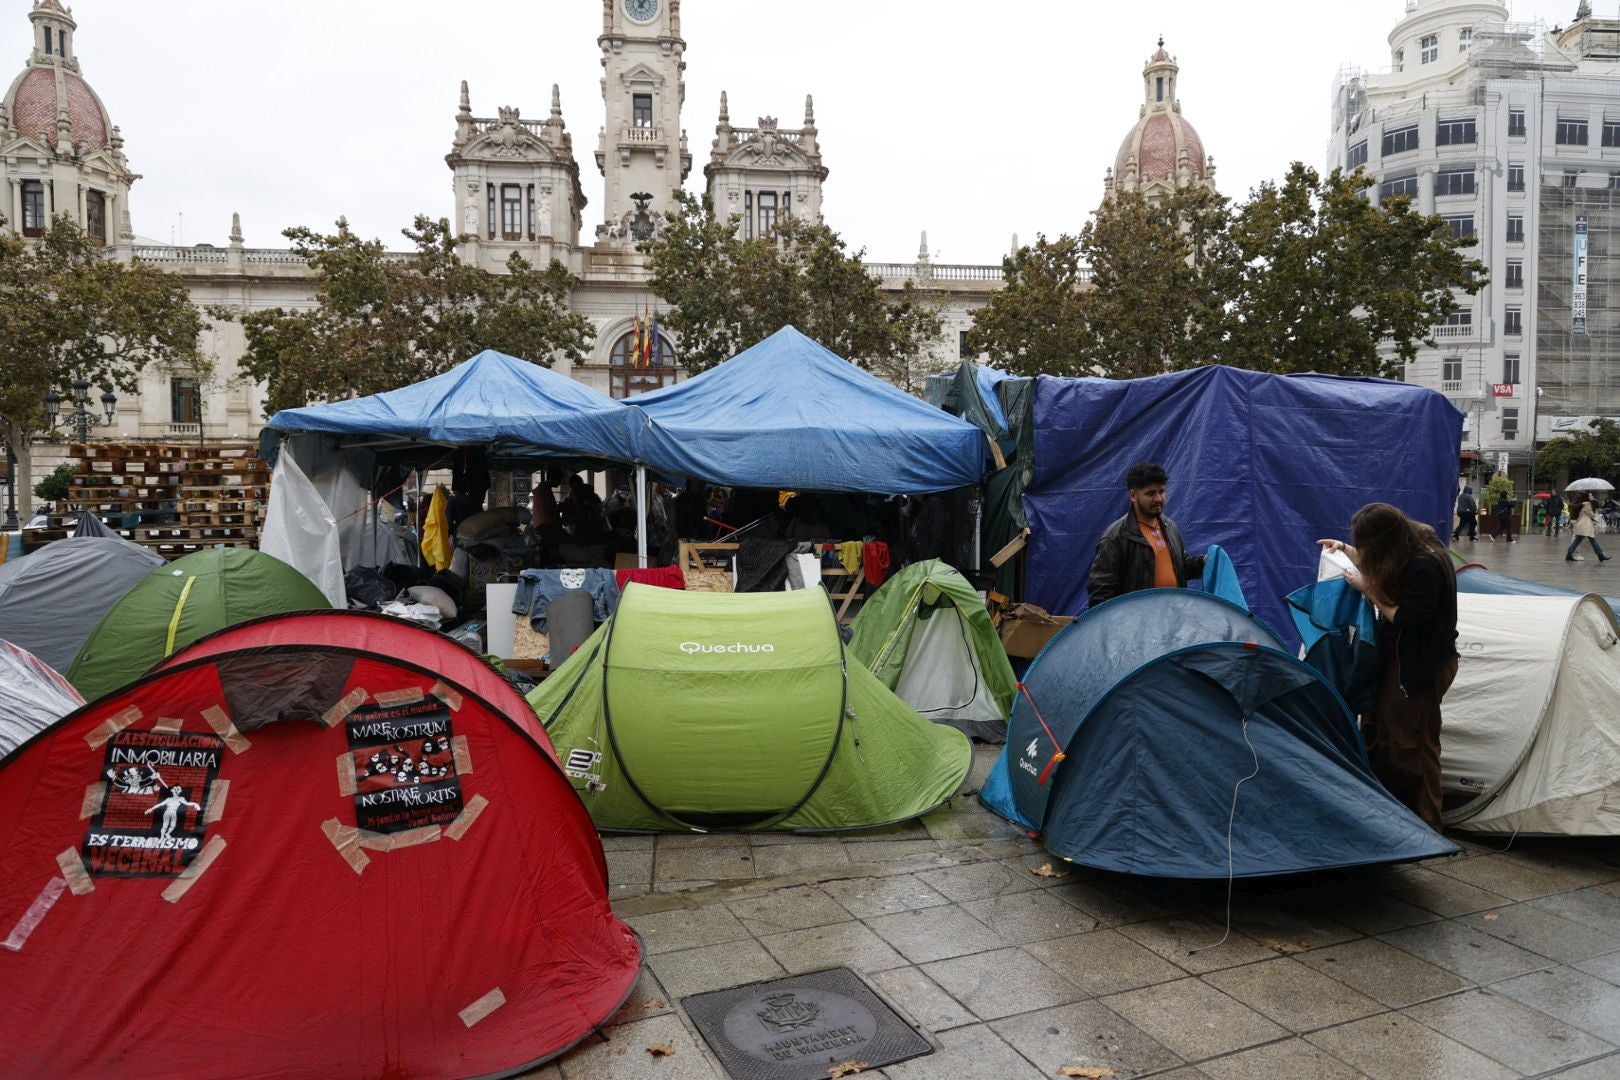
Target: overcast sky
x,y
972,120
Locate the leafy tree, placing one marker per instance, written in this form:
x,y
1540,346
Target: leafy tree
x,y
1152,304
58,485
726,293
66,312
1312,277
1038,322
382,322
1585,453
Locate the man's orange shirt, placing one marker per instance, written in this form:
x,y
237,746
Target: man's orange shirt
x,y
1164,571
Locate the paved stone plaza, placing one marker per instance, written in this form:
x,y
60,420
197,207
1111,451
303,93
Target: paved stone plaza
x,y
1492,963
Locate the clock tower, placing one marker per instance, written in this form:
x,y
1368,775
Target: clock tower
x,y
642,150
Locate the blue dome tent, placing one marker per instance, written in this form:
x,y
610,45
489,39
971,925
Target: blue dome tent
x,y
1166,733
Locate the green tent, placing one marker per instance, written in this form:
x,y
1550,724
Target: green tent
x,y
926,635
695,711
178,603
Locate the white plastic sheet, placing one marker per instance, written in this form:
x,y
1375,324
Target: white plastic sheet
x,y
301,532
32,696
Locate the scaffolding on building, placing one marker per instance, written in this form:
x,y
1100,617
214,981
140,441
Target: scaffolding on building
x,y
1578,368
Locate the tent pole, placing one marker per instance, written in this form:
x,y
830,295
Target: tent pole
x,y
420,528
641,516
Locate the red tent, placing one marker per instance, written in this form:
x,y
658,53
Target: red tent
x,y
323,844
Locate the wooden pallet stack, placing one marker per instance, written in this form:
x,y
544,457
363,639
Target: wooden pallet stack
x,y
174,499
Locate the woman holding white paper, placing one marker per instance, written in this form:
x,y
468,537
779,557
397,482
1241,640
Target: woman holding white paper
x,y
1404,572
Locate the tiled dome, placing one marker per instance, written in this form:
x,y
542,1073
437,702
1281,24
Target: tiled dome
x,y
33,107
1156,142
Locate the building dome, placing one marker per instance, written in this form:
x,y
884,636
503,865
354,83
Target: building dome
x,y
33,108
1162,151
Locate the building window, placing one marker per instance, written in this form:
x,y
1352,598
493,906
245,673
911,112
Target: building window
x,y
962,352
787,205
1159,89
1431,49
1515,274
641,110
47,41
1398,185
1510,368
1454,182
489,209
1465,38
511,211
1614,181
1400,140
636,375
1461,225
1357,155
185,401
533,213
1571,132
1510,424
1515,178
1611,133
95,216
748,215
1451,371
767,213
1399,60
33,208
1516,123
1463,317
1515,229
1570,176
1453,132
1513,322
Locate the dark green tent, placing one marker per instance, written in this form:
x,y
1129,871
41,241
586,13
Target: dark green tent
x,y
176,604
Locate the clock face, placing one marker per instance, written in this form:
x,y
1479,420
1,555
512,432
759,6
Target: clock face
x,y
641,10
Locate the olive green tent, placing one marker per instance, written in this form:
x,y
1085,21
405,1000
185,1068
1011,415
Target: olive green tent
x,y
178,603
926,635
695,711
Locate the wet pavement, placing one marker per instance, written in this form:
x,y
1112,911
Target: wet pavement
x,y
1502,961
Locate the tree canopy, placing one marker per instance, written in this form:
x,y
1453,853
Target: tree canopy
x,y
1306,275
382,321
69,312
1595,452
727,293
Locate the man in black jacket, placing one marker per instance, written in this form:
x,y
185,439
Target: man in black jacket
x,y
1143,549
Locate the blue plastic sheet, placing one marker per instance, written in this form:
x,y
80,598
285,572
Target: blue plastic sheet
x,y
491,398
789,413
1262,465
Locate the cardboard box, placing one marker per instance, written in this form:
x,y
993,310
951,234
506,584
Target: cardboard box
x,y
1026,628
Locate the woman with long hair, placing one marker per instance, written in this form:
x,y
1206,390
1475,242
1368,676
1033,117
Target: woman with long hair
x,y
1404,572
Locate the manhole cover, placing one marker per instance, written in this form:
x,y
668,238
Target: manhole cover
x,y
798,1028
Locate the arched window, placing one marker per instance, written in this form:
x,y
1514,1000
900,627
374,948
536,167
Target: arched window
x,y
631,377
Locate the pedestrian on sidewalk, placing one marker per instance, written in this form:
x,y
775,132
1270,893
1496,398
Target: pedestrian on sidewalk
x,y
1467,515
1504,516
1555,514
1585,528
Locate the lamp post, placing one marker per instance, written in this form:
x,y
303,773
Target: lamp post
x,y
81,420
11,484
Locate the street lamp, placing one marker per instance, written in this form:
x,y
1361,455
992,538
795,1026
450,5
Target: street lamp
x,y
81,419
11,484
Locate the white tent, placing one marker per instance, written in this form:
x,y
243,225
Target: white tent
x,y
1531,727
32,696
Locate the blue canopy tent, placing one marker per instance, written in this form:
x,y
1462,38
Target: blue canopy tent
x,y
1165,733
1260,464
522,411
790,413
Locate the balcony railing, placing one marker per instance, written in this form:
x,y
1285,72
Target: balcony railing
x,y
188,431
890,271
642,135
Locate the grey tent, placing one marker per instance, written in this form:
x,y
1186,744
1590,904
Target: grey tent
x,y
51,599
89,525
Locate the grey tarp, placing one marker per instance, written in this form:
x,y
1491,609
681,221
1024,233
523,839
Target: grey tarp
x,y
51,599
32,697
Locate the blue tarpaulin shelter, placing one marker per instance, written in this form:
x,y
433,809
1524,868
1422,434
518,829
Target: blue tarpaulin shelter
x,y
492,398
1140,720
790,413
1260,464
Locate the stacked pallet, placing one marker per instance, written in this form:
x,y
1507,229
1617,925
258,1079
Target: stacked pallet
x,y
174,499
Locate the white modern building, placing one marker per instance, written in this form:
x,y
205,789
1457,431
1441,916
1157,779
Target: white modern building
x,y
1511,132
